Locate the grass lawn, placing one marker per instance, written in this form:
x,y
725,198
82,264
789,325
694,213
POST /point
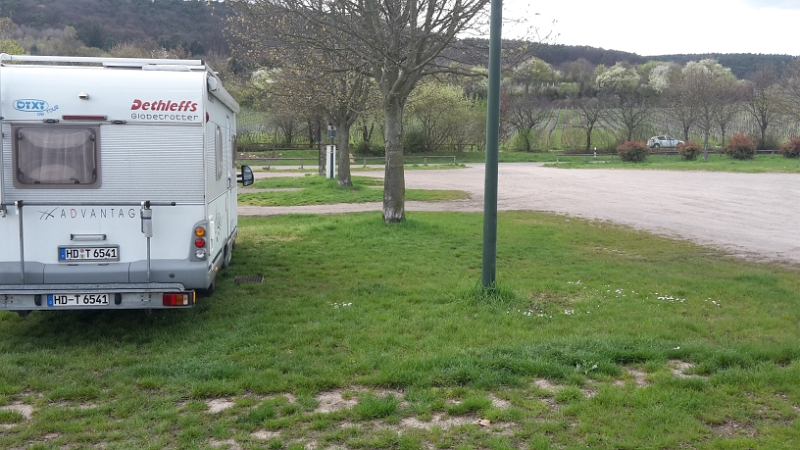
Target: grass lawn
x,y
317,190
715,163
367,336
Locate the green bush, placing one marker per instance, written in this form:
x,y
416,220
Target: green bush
x,y
523,141
633,151
741,147
791,149
414,142
689,150
771,142
362,149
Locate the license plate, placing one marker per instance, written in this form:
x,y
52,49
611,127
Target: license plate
x,y
57,300
88,253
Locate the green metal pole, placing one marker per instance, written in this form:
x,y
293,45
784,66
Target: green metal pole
x,y
489,272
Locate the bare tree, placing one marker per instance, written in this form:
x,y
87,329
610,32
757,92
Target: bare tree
x,y
590,111
677,105
397,42
790,89
347,97
525,112
762,100
730,104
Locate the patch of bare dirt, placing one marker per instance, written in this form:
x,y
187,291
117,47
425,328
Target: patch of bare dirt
x,y
217,405
589,392
332,401
230,444
679,369
730,429
545,385
639,376
20,408
265,435
442,421
75,406
499,403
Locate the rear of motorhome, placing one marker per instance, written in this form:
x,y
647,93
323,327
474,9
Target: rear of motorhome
x,y
118,182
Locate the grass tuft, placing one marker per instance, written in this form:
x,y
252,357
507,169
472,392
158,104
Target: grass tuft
x,y
371,407
495,294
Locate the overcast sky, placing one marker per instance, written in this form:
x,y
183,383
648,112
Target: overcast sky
x,y
666,26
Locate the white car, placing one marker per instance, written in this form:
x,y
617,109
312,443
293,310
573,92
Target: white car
x,y
663,141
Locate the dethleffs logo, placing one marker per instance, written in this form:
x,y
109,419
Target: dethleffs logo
x,y
30,105
161,105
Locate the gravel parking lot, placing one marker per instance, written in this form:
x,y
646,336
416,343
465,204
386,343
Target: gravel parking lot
x,y
751,215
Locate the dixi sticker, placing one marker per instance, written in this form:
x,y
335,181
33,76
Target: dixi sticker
x,y
31,105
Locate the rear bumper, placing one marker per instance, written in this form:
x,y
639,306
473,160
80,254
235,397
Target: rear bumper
x,y
121,296
191,274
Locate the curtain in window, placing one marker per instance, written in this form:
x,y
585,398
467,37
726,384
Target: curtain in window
x,y
56,156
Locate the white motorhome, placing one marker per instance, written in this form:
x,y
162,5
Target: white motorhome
x,y
118,182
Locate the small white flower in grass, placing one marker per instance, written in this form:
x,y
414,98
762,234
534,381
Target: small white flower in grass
x,y
677,348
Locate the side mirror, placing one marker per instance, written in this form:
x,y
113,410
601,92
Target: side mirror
x,y
246,177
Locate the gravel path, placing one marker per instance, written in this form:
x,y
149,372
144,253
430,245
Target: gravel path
x,y
751,215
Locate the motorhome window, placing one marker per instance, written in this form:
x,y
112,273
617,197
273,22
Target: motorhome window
x,y
218,149
234,156
55,157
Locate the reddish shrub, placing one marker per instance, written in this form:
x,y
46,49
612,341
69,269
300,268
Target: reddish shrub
x,y
741,147
791,149
633,151
689,150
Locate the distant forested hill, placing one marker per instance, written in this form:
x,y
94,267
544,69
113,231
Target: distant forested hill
x,y
741,64
102,23
197,26
556,55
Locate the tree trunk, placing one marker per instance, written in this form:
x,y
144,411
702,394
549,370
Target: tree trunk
x,y
763,145
343,149
394,183
722,129
686,133
589,138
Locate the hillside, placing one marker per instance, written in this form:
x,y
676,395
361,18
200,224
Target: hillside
x,y
198,26
102,23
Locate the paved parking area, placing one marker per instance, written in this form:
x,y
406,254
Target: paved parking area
x,y
752,215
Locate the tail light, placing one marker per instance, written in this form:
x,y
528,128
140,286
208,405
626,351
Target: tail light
x,y
178,299
200,242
